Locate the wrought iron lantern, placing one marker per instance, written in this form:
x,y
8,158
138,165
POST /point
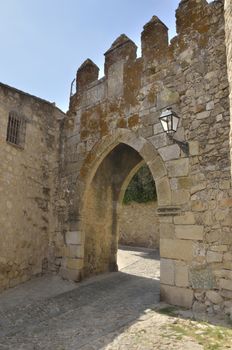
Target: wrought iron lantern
x,y
170,121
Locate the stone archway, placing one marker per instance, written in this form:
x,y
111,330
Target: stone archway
x,y
104,174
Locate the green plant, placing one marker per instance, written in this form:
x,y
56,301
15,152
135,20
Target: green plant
x,y
142,188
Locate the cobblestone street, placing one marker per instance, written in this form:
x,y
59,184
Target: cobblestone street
x,y
49,313
113,311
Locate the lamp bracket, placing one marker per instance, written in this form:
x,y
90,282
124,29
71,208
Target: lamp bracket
x,y
184,145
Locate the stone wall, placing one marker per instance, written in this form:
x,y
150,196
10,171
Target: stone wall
x,y
194,190
27,177
139,225
228,20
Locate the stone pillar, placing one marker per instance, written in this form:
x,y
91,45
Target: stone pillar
x,y
192,15
154,40
122,49
86,74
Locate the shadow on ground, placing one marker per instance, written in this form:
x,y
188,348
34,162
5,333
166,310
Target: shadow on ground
x,y
87,317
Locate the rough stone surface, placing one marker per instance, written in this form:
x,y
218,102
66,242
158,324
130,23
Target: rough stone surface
x,y
167,271
28,175
177,296
139,225
71,174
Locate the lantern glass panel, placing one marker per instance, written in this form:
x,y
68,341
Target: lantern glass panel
x,y
169,123
175,122
164,123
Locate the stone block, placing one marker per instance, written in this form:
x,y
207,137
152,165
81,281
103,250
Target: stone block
x,y
158,129
203,115
70,274
179,167
167,271
159,140
73,237
199,205
176,249
193,232
201,278
181,274
210,105
228,256
176,295
74,264
170,152
225,184
193,148
157,168
225,284
219,248
187,219
214,257
214,297
146,131
73,251
184,183
226,294
199,308
163,191
226,203
166,230
180,197
147,152
199,187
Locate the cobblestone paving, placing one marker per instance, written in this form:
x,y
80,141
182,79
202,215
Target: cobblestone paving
x,y
77,318
113,311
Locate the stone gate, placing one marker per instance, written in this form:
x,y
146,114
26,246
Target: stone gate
x,y
113,125
60,209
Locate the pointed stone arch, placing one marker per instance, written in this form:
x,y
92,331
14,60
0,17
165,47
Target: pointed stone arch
x,y
146,150
139,151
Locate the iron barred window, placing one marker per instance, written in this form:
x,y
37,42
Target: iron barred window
x,y
16,129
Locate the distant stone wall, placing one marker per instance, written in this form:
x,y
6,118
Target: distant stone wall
x,y
27,178
139,225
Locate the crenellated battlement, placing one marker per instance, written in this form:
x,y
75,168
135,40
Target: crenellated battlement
x,y
196,20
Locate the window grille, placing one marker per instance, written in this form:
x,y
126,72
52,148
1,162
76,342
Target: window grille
x,y
16,129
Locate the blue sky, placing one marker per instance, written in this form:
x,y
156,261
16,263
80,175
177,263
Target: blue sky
x,y
43,42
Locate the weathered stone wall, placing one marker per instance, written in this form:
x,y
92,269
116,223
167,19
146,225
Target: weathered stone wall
x,y
228,20
27,177
139,225
194,191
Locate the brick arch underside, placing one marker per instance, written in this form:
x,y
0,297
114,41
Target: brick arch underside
x,y
113,161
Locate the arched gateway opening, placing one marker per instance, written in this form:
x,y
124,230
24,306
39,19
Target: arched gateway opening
x,y
106,181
